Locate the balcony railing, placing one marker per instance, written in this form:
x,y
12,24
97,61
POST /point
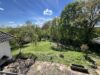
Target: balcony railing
x,y
8,73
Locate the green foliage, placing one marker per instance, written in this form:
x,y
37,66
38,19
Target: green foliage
x,y
69,29
78,20
46,30
97,33
28,33
44,52
25,56
55,35
14,44
74,27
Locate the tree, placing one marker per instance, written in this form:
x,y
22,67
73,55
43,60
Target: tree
x,y
68,26
46,29
55,29
51,29
38,32
78,20
90,16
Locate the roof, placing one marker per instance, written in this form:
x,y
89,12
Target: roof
x,y
96,40
5,37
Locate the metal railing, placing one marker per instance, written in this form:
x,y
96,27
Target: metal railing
x,y
8,73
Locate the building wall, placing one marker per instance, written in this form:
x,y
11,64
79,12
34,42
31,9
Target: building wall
x,y
5,49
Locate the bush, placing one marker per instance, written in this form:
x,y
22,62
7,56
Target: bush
x,y
61,55
14,44
26,56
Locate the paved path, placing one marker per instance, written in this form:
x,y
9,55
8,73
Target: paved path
x,y
47,68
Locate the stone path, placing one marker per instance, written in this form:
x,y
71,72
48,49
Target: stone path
x,y
98,70
48,68
20,66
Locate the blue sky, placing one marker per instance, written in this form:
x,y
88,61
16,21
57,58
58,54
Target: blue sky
x,y
16,12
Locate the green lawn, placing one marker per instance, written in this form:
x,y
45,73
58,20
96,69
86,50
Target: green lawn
x,y
44,52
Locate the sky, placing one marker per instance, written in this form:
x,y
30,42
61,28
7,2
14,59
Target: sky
x,y
17,12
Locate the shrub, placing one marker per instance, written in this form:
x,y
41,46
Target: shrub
x,y
14,44
26,56
61,55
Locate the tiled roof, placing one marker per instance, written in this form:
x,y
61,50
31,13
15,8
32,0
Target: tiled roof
x,y
5,37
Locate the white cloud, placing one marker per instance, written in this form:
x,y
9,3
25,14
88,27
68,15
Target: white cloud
x,y
1,9
47,12
41,20
11,22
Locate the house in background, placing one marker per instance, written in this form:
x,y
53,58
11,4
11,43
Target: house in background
x,y
5,49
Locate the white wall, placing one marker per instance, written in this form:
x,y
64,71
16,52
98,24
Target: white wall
x,y
5,49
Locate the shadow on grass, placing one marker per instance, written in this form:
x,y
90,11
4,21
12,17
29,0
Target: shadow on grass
x,y
26,56
15,48
61,49
95,48
96,51
58,49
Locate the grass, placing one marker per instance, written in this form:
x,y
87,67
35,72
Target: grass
x,y
44,52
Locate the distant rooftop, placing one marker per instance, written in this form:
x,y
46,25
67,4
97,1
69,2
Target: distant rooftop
x,y
97,40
